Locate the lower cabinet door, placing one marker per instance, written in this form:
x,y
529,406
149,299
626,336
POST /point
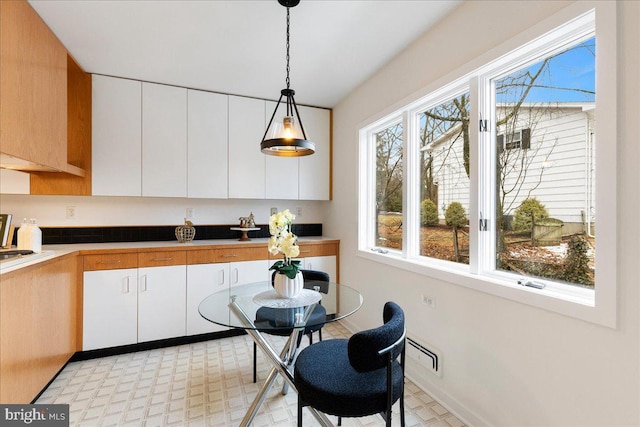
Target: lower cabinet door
x,y
328,265
161,302
110,308
244,272
202,281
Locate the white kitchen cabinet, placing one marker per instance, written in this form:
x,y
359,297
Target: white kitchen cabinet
x,y
207,124
327,264
161,302
315,170
205,279
281,175
14,182
243,272
202,281
164,141
116,152
110,308
246,162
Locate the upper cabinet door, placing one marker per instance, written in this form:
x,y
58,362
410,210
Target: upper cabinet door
x,y
315,170
164,141
207,173
116,137
246,161
282,172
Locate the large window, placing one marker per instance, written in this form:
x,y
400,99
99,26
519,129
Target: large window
x,y
493,176
545,170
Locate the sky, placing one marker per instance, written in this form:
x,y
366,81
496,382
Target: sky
x,y
573,68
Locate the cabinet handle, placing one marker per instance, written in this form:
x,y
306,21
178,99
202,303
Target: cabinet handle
x,y
221,277
125,285
305,252
237,274
162,259
229,255
143,286
117,261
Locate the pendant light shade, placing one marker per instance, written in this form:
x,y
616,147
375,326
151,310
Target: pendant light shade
x,y
285,135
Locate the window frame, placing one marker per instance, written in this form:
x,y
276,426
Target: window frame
x,y
567,27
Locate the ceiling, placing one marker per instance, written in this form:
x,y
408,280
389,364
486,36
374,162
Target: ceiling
x,y
238,46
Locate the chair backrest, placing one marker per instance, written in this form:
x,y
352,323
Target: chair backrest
x,y
312,278
316,278
364,347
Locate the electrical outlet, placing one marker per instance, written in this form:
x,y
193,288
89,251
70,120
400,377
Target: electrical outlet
x,y
298,210
190,213
71,212
274,211
429,300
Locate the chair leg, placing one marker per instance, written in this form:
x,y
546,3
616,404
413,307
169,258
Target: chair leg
x,y
311,338
402,406
339,421
255,350
320,334
299,412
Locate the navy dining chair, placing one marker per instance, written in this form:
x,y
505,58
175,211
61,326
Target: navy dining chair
x,y
358,376
268,315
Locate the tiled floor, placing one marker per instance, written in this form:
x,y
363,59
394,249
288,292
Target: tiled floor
x,y
202,384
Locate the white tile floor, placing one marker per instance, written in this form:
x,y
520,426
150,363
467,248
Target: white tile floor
x,y
202,384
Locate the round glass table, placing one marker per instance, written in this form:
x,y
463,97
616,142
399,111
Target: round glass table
x,y
256,308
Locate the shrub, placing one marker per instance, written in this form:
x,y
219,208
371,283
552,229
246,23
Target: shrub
x,y
522,215
576,264
428,213
455,216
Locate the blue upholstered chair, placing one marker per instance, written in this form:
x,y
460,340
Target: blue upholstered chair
x,y
356,377
266,315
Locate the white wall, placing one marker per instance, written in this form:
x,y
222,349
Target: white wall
x,y
50,211
504,363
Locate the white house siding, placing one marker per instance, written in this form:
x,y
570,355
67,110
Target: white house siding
x,y
559,143
450,175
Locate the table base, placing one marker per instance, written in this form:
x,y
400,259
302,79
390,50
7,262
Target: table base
x,y
281,363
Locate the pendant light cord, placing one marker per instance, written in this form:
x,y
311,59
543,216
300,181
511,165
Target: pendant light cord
x,y
288,82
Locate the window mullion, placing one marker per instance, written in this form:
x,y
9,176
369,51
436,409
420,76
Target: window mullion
x,y
411,195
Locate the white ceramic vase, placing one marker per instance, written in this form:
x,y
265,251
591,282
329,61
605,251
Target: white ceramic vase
x,y
288,288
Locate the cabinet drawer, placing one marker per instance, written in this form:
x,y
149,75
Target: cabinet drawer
x,y
205,256
307,250
161,259
110,261
241,254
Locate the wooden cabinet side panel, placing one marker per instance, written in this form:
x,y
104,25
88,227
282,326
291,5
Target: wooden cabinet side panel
x,y
33,88
38,327
78,139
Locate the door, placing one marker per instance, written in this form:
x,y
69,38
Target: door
x,y
246,161
202,281
162,302
207,172
110,308
116,146
164,141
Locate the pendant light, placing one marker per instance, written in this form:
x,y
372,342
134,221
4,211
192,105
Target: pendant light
x,y
287,138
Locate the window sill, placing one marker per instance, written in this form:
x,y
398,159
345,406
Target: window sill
x,y
577,303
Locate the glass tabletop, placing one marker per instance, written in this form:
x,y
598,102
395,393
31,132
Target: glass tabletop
x,y
268,311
